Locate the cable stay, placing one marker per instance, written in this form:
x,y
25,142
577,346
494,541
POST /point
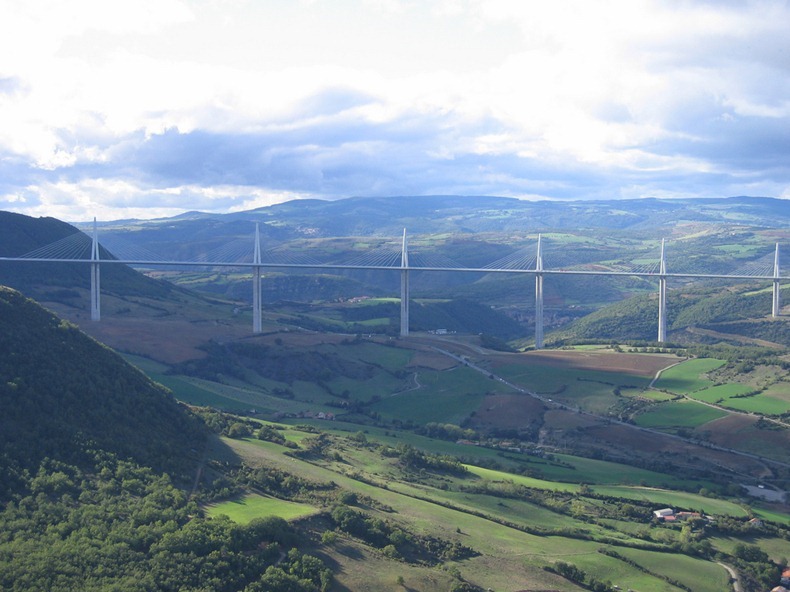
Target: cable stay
x,y
521,259
418,258
126,251
761,267
74,246
378,257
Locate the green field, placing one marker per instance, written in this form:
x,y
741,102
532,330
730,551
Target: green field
x,y
722,392
687,377
762,404
678,414
446,397
251,506
590,390
662,497
497,525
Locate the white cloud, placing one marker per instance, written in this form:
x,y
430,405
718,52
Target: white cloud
x,y
343,98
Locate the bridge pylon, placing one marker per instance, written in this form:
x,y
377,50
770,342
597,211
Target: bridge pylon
x,y
662,297
95,276
539,297
404,288
256,283
776,300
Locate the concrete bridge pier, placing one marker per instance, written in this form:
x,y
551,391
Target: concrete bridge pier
x,y
776,300
404,288
95,276
256,283
539,297
662,297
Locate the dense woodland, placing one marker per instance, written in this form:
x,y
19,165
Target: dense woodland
x,y
94,462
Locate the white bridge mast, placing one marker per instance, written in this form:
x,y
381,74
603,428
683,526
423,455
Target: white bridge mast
x,y
404,288
95,277
777,301
662,297
539,297
256,283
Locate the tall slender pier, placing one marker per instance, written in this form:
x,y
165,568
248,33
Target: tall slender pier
x,y
777,303
256,282
404,288
539,297
95,276
662,297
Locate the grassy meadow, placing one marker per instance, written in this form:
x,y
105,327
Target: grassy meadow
x,y
251,506
516,525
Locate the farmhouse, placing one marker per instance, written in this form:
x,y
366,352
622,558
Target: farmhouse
x,y
669,515
664,514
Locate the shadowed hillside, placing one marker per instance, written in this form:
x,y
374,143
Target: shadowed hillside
x,y
64,394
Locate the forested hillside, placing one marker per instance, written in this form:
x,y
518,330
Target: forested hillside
x,y
736,314
84,502
64,396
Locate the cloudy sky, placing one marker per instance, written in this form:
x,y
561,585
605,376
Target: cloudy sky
x,y
154,107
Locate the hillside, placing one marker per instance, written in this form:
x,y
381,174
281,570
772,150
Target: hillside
x,y
736,315
84,502
63,394
388,216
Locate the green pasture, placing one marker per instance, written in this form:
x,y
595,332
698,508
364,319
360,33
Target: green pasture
x,y
292,433
526,514
443,396
378,322
762,404
661,497
741,250
391,358
504,550
562,467
678,414
377,301
696,574
250,506
721,392
188,392
674,499
501,476
422,407
687,377
250,397
590,390
184,388
592,471
381,384
608,569
771,515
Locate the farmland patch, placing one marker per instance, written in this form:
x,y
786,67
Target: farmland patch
x,y
679,414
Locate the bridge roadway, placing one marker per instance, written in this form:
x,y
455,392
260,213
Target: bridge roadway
x,y
405,269
342,266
